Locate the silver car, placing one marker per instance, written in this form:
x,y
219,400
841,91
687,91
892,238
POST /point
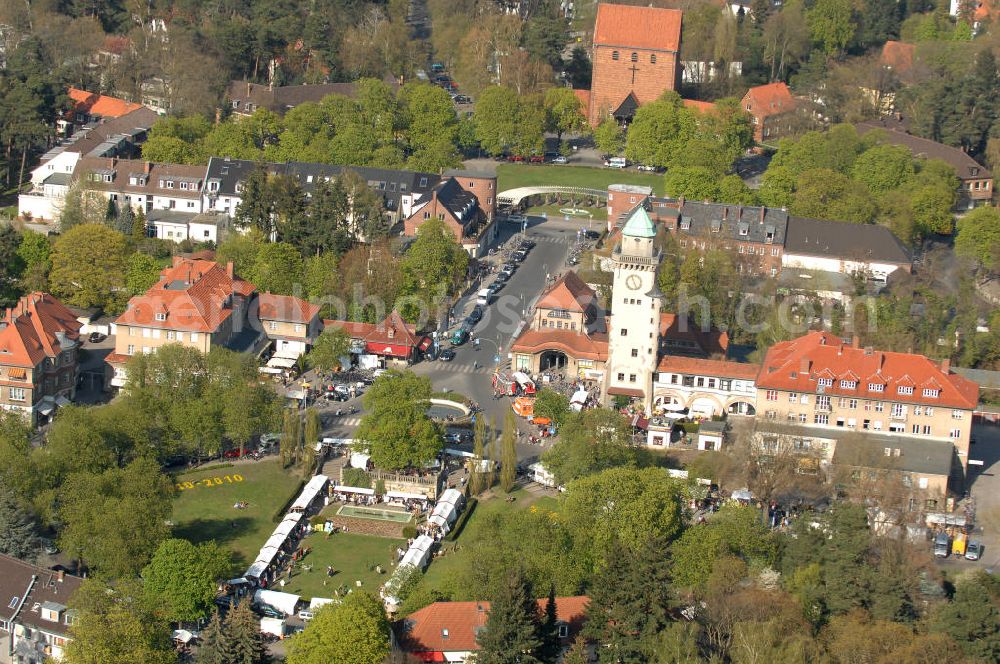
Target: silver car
x,y
974,551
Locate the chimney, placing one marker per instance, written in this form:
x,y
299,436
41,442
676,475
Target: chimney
x,y
739,213
681,202
60,575
146,168
248,88
229,269
725,213
762,210
804,366
946,365
855,341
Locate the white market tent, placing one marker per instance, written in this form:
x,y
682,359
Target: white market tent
x,y
354,489
278,362
402,495
309,493
359,460
319,602
182,635
275,541
256,570
443,516
284,602
451,496
742,494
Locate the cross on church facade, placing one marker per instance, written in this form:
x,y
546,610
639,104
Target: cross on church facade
x,y
633,69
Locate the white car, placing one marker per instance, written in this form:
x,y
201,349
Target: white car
x,y
560,160
379,372
305,616
644,167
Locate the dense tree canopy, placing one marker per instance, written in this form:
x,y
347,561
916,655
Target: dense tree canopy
x,y
395,429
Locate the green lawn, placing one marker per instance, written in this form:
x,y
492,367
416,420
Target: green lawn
x,y
512,176
205,512
353,556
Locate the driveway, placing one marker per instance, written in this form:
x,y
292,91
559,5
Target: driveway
x,y
985,489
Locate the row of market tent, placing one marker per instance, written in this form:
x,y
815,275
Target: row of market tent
x,y
416,558
289,530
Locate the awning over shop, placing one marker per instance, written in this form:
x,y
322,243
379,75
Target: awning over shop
x,y
17,373
46,407
309,493
62,401
625,392
393,350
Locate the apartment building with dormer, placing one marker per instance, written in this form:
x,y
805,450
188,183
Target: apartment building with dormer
x,y
837,388
34,611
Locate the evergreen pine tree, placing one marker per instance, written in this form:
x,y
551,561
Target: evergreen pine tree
x,y
254,210
213,646
244,644
508,453
628,603
577,653
511,632
551,646
18,537
138,230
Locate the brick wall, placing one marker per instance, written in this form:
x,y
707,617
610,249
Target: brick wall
x,y
612,79
484,189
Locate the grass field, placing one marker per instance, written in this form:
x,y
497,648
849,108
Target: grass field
x,y
205,511
353,556
441,568
511,176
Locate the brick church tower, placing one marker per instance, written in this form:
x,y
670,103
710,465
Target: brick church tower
x,y
636,58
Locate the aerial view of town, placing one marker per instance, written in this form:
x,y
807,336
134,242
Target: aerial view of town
x,y
499,331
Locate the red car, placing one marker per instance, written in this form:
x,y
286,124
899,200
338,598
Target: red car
x,y
515,158
235,453
537,159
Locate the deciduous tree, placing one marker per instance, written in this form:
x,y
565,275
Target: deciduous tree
x,y
87,264
508,453
181,579
332,345
355,631
395,429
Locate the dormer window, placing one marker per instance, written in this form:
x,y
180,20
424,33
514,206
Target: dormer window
x,y
161,317
876,387
423,182
932,393
825,382
905,389
184,186
848,384
170,184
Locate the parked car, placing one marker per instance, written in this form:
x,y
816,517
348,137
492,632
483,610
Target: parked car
x,y
501,278
447,355
536,159
527,245
456,437
560,160
475,315
437,67
974,551
942,545
515,158
269,611
379,372
647,168
463,99
96,337
517,218
498,285
509,269
305,616
591,235
519,256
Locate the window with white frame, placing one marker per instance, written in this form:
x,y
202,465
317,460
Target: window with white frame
x,y
792,397
16,394
194,336
161,316
898,410
905,389
957,414
876,387
771,395
825,382
848,384
955,433
171,335
821,418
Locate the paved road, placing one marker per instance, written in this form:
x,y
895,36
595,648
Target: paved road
x,y
471,371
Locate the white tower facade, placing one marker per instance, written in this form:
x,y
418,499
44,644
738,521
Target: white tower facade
x,y
634,333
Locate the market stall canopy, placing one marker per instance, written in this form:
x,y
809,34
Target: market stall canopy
x,y
405,496
256,570
284,602
354,489
359,460
309,493
580,396
453,496
742,494
279,362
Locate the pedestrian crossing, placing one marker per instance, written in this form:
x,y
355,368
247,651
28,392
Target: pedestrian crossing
x,y
449,367
344,422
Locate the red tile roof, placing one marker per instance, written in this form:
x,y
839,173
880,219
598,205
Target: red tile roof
x,y
770,99
720,368
101,105
795,366
897,55
569,292
576,344
452,626
637,27
194,295
393,330
29,330
674,328
702,106
285,308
